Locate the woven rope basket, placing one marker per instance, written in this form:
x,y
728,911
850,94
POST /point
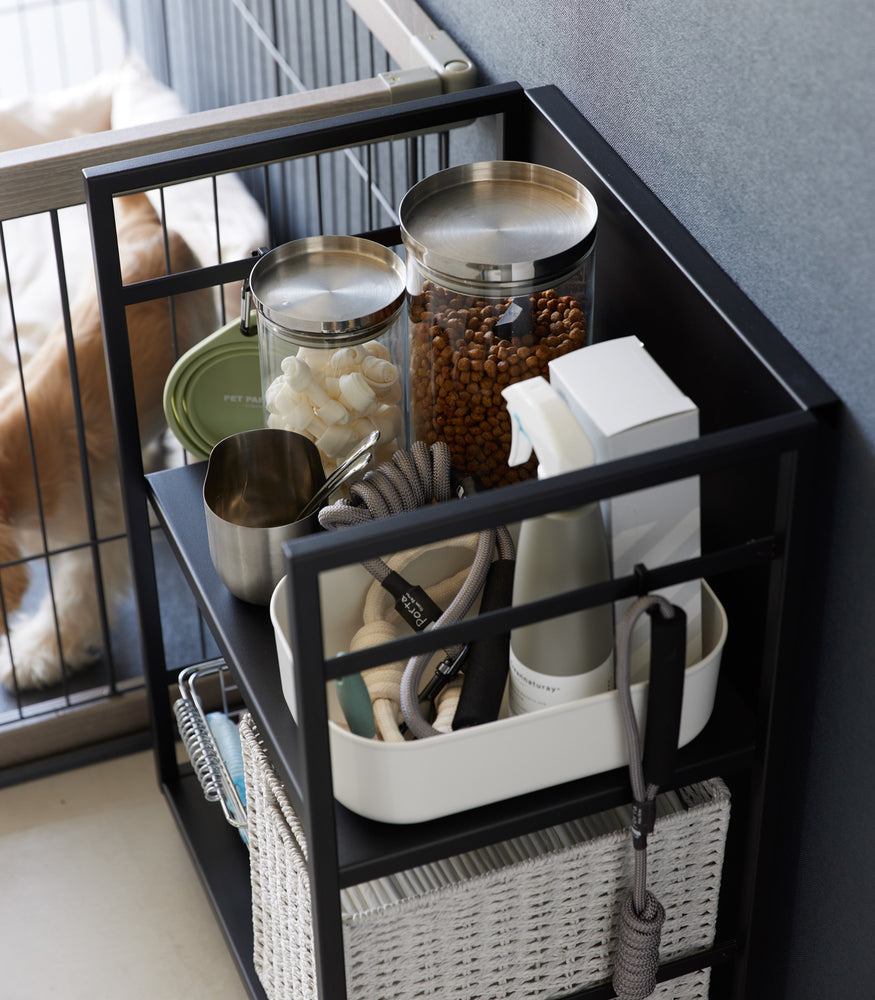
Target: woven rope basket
x,y
540,928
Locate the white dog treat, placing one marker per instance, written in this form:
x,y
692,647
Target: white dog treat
x,y
356,395
333,440
303,419
380,374
280,398
331,384
292,362
345,360
390,395
387,421
316,428
315,357
299,377
271,393
362,427
378,350
333,412
336,398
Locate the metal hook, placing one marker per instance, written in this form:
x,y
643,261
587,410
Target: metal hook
x,y
642,575
246,299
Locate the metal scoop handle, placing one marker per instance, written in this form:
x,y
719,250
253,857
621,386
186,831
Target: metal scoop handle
x,y
340,475
357,461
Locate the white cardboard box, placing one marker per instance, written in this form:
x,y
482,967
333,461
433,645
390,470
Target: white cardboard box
x,y
628,405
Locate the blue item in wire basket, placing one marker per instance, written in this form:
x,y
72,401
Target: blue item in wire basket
x,y
227,738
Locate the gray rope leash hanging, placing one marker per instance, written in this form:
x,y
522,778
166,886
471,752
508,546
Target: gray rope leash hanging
x,y
641,916
413,479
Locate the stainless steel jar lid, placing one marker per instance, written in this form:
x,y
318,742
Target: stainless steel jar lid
x,y
498,222
339,286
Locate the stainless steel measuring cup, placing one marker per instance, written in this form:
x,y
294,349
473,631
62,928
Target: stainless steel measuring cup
x,y
256,485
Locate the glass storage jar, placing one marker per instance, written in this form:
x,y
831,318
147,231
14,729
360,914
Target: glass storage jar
x,y
332,343
500,258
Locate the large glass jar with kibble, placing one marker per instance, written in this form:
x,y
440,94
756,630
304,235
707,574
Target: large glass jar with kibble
x,y
332,343
500,259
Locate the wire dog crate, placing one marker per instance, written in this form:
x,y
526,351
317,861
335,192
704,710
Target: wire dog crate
x,y
764,415
204,70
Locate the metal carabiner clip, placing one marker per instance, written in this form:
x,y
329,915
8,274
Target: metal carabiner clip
x,y
444,672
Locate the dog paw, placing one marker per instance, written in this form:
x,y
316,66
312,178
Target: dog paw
x,y
34,660
28,669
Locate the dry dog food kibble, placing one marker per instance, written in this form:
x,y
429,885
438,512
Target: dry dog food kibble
x,y
463,351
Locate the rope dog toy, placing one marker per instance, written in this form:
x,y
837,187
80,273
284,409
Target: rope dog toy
x,y
413,479
384,681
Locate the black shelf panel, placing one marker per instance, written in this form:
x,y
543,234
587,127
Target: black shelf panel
x,y
369,849
222,862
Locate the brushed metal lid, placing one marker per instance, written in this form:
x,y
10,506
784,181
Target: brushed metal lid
x,y
498,222
320,286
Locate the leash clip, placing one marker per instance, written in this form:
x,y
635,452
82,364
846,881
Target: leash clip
x,y
444,672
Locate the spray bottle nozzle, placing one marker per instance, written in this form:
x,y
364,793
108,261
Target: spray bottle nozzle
x,y
541,421
520,443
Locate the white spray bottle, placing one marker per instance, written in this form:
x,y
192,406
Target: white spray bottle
x,y
561,659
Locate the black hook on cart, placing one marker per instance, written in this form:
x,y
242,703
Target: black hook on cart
x,y
642,576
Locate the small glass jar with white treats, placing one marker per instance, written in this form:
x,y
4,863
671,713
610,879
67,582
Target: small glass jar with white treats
x,y
331,343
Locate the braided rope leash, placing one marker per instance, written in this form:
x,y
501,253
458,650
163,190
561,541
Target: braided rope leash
x,y
641,917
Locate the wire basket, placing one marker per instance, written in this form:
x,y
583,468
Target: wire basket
x,y
534,917
216,767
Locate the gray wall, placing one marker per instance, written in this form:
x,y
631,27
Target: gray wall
x,y
752,120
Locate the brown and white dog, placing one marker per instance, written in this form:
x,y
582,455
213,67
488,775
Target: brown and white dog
x,y
39,443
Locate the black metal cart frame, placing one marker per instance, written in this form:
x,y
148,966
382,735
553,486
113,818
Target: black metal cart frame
x,y
765,420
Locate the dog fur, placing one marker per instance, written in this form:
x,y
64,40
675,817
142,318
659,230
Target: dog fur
x,y
54,518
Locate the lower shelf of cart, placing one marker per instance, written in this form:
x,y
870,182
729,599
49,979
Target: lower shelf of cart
x,y
222,862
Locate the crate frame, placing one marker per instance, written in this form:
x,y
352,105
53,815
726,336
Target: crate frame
x,y
766,435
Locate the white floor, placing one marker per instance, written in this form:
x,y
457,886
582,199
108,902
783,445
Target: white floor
x,y
98,898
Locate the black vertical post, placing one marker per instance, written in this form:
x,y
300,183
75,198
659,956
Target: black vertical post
x,y
317,788
107,269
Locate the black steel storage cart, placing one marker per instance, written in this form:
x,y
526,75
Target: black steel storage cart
x,y
765,419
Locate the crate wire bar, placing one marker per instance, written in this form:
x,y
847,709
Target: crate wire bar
x,y
756,459
297,62
50,44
